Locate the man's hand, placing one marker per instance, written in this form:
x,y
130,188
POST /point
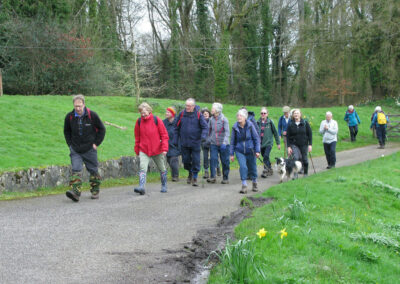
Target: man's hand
x,y
95,146
326,127
289,151
279,147
232,158
257,155
164,153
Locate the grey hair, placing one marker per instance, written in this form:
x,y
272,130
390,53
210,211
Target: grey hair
x,y
218,107
351,107
329,113
243,112
294,110
264,109
378,108
145,106
191,101
78,97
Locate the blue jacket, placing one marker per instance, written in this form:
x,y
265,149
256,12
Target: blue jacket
x,y
282,125
375,121
173,150
352,118
244,140
191,128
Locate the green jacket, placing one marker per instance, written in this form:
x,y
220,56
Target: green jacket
x,y
269,133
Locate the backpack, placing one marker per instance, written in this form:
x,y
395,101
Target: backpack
x,y
90,118
155,120
180,118
381,118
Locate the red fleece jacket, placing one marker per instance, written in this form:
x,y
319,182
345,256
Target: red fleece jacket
x,y
150,138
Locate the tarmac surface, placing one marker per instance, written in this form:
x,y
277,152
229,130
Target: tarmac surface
x,y
123,237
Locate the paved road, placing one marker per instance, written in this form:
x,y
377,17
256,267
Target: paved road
x,y
122,237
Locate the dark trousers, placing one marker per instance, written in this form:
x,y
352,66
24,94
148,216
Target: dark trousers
x,y
191,159
353,132
173,162
303,156
381,134
224,155
206,157
265,151
89,158
330,153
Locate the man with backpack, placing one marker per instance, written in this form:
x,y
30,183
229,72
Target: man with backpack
x,y
83,132
191,129
380,121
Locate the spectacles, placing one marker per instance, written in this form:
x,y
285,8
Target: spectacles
x,y
263,113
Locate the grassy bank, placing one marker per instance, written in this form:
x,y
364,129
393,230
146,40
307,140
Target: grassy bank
x,y
32,127
343,226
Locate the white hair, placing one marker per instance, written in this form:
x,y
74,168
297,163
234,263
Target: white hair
x,y
328,113
191,101
243,112
218,107
264,109
351,107
378,108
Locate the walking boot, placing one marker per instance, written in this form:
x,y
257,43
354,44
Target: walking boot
x,y
175,179
254,188
243,190
212,180
264,173
75,183
206,174
189,179
95,181
163,181
142,183
194,182
270,171
218,171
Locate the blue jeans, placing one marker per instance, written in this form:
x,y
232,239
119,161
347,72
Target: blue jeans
x,y
330,153
224,154
191,159
247,165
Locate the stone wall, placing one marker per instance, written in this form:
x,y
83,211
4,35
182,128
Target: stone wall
x,y
33,178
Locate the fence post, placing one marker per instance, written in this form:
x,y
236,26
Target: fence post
x,y
1,83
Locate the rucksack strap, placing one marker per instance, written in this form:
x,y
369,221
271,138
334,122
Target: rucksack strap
x,y
154,117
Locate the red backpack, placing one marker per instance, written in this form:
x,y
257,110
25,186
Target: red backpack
x,y
90,117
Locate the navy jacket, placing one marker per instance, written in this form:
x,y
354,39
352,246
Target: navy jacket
x,y
173,150
190,128
282,125
245,140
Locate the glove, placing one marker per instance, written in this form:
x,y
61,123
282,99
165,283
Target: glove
x,y
223,147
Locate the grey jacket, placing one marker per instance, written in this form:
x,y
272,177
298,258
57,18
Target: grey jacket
x,y
218,130
330,134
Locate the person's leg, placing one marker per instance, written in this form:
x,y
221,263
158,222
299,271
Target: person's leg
x,y
224,154
332,155
267,161
327,154
379,133
187,162
195,153
355,132
304,153
91,163
242,170
143,166
351,129
214,161
159,160
265,169
206,160
75,181
173,162
252,167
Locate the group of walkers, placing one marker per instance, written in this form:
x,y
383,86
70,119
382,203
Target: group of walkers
x,y
188,132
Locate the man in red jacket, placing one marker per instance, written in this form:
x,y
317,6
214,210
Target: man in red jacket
x,y
151,142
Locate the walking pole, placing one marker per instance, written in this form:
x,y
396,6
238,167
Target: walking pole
x,y
312,162
284,146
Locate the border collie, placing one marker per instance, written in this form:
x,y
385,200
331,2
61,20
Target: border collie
x,y
288,167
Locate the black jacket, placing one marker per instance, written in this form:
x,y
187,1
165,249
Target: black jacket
x,y
299,135
93,131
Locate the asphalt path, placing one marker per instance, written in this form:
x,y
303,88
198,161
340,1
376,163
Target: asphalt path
x,y
122,237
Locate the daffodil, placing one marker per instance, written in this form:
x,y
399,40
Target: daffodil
x,y
262,233
283,233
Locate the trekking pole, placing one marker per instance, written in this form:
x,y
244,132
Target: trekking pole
x,y
201,177
312,162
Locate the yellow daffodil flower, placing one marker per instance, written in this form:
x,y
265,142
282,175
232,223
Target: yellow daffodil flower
x,y
283,233
262,233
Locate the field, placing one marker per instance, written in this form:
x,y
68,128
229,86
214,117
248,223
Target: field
x,y
343,226
32,127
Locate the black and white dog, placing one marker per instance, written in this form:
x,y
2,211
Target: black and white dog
x,y
288,167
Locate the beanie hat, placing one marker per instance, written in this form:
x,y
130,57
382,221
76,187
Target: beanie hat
x,y
172,111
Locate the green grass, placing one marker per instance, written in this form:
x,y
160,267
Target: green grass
x,y
32,127
343,226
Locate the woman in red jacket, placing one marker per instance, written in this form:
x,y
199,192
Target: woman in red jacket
x,y
151,142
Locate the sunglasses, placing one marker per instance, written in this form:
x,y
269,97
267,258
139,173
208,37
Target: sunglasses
x,y
263,113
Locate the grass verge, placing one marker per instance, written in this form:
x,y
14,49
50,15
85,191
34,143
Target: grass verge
x,y
343,226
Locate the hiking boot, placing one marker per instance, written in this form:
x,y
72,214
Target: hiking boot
x,y
163,176
194,182
264,174
212,180
175,179
139,190
218,171
189,179
254,188
244,189
142,183
328,167
206,174
270,172
95,195
71,194
225,181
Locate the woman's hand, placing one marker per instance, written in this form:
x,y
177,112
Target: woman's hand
x,y
309,148
232,158
257,155
289,151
